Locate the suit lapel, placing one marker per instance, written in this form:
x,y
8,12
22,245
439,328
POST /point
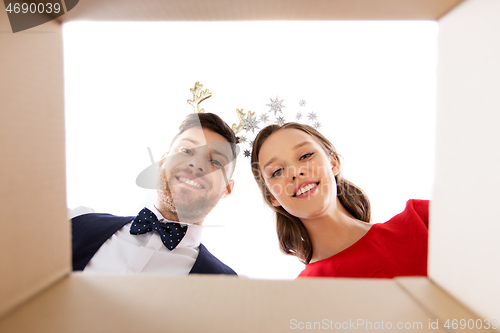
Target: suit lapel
x,y
207,263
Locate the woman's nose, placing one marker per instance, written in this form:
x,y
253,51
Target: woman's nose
x,y
300,174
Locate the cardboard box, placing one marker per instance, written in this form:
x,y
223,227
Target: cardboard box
x,y
38,292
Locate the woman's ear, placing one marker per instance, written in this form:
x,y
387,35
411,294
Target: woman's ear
x,y
335,165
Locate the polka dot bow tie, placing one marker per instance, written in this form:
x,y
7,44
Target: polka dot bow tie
x,y
171,233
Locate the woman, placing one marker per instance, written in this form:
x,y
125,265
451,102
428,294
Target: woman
x,y
323,219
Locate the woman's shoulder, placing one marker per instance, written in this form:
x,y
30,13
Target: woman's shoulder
x,y
419,208
416,210
417,204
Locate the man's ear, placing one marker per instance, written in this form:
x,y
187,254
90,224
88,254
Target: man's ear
x,y
229,188
274,201
162,160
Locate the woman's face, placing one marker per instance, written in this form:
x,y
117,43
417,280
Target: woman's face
x,y
299,173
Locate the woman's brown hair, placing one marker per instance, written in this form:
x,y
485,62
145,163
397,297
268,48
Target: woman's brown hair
x,y
292,235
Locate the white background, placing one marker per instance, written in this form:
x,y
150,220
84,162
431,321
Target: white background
x,y
372,85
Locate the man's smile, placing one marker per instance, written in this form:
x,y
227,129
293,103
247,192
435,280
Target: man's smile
x,y
189,180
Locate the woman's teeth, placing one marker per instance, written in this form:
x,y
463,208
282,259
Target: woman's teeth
x,y
306,188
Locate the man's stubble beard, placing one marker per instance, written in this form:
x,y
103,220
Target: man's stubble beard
x,y
179,201
166,205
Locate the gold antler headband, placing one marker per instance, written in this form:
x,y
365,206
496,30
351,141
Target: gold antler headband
x,y
199,96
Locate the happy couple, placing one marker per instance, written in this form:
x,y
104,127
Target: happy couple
x,y
322,219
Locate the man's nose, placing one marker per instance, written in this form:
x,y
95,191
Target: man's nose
x,y
197,163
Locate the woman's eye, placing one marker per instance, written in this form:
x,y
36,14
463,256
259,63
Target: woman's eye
x,y
216,163
306,156
185,150
276,173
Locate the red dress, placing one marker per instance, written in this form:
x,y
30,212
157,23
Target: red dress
x,y
397,247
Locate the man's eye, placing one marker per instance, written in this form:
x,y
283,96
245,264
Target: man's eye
x,y
306,156
277,173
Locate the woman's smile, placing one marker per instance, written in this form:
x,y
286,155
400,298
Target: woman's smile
x,y
306,188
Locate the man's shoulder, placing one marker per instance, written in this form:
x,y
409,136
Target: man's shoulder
x,y
99,221
84,213
101,216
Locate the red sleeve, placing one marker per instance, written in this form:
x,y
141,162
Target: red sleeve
x,y
421,207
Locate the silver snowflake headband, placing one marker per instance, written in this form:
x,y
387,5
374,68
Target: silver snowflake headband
x,y
250,122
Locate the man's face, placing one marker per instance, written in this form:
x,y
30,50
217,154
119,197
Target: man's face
x,y
194,174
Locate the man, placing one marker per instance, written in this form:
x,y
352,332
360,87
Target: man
x,y
193,176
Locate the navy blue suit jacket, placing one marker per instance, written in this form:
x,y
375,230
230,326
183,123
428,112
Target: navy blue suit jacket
x,y
90,231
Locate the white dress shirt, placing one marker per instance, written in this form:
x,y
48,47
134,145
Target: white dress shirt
x,y
127,253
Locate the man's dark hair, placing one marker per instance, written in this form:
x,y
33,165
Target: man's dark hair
x,y
212,122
